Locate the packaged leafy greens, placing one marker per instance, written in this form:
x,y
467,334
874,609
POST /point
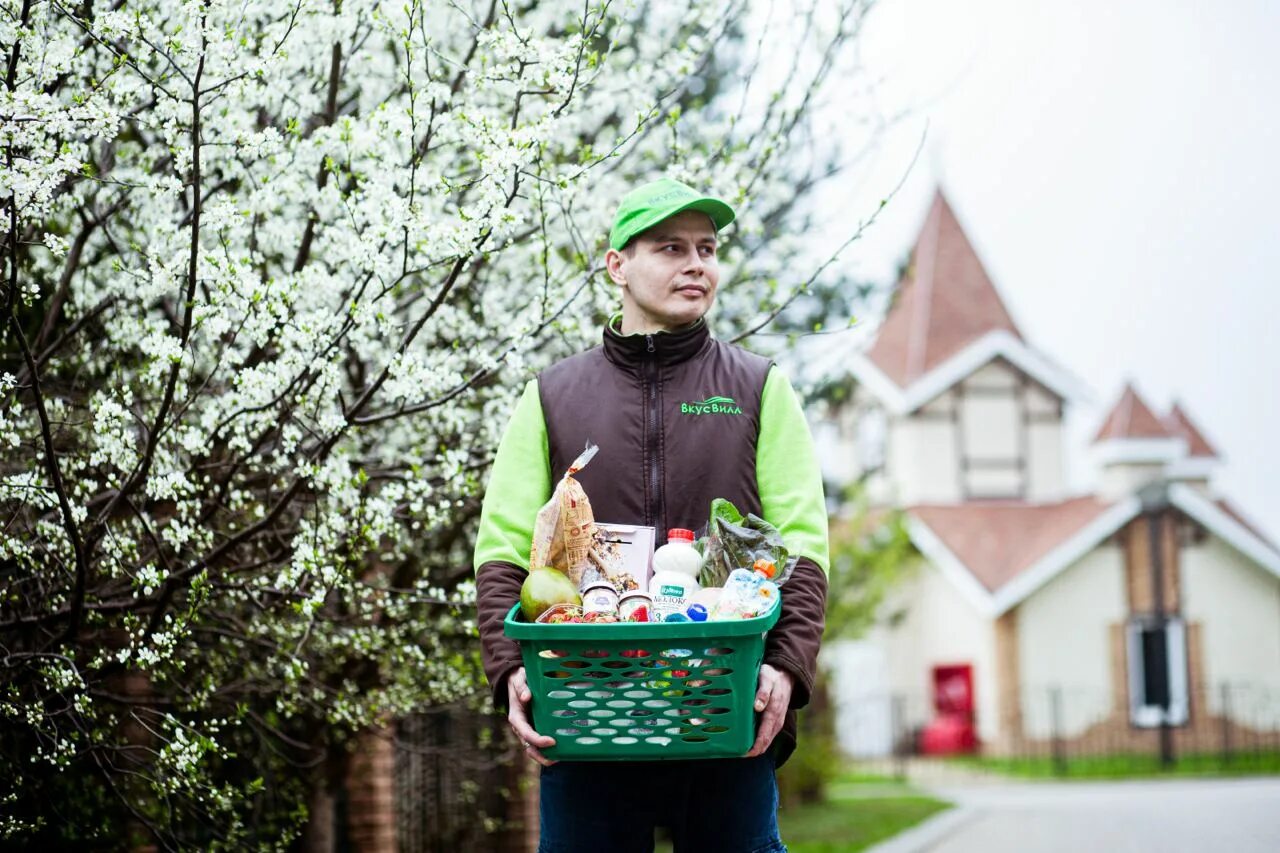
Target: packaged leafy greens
x,y
734,541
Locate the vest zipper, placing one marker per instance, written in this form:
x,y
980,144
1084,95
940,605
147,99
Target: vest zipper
x,y
653,429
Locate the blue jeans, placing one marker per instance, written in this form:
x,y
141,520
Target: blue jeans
x,y
727,805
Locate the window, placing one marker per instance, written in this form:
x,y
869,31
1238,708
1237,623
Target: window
x,y
1157,672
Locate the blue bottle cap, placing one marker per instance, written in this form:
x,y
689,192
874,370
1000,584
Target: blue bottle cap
x,y
697,612
677,617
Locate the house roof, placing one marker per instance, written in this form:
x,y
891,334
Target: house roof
x,y
1239,517
997,541
1180,424
1132,418
945,301
997,554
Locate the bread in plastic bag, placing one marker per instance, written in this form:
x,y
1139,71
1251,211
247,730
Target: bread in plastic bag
x,y
564,531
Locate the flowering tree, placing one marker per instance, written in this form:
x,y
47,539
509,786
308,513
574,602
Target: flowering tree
x,y
273,274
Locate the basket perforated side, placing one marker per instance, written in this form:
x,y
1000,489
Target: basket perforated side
x,y
643,691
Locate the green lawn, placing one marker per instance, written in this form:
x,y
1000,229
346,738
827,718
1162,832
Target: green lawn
x,y
843,826
1129,766
862,810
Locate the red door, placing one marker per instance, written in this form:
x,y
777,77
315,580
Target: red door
x,y
952,728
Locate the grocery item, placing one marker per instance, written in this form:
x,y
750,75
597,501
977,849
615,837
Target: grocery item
x,y
564,614
564,530
599,617
734,541
635,606
707,597
600,597
560,613
675,573
545,588
623,552
697,612
676,616
748,592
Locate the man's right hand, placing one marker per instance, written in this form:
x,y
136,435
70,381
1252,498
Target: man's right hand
x,y
518,699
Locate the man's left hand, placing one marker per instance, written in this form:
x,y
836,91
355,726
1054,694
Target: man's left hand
x,y
773,697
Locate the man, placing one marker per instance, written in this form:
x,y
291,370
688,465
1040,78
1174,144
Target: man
x,y
662,460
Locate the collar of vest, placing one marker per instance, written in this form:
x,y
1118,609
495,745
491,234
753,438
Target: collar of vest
x,y
629,352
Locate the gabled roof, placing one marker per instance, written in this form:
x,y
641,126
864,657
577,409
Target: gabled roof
x,y
945,301
1180,424
1131,417
946,321
1226,521
999,540
998,554
1239,518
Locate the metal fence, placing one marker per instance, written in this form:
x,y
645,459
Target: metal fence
x,y
458,783
1059,730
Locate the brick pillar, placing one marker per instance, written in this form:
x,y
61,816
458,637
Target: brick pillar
x,y
1137,566
1197,681
522,806
1119,674
520,778
136,743
1137,541
1008,685
370,787
318,835
1172,578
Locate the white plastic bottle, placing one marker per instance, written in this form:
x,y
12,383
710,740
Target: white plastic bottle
x,y
675,574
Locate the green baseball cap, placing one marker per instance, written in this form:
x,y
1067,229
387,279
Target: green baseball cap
x,y
646,206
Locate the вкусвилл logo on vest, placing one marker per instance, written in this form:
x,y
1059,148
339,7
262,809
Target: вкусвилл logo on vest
x,y
712,406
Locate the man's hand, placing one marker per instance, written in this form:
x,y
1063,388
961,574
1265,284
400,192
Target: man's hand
x,y
518,698
773,697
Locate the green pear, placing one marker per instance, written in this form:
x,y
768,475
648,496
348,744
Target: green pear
x,y
545,588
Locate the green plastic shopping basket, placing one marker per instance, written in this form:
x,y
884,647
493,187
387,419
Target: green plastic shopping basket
x,y
630,691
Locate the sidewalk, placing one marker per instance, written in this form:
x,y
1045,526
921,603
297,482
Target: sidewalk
x,y
1175,815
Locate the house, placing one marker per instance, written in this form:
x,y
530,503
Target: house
x,y
1035,613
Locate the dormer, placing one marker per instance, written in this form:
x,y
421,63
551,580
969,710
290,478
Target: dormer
x,y
1197,467
1134,447
970,411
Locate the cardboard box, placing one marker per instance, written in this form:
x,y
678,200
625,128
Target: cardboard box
x,y
627,548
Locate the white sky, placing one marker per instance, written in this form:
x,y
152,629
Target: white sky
x,y
1117,167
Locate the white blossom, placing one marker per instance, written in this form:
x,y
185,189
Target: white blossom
x,y
285,337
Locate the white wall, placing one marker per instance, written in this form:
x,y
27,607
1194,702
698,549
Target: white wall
x,y
836,457
851,439
1046,466
991,425
1064,641
938,626
996,374
1237,604
1124,478
860,696
922,461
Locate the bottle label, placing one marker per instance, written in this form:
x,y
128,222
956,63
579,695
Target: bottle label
x,y
669,598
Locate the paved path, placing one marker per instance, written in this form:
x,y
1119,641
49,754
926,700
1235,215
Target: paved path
x,y
1170,816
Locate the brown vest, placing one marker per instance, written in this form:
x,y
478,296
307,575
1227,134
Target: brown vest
x,y
676,416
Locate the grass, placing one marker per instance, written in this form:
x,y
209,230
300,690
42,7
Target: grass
x,y
861,810
1141,766
843,826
